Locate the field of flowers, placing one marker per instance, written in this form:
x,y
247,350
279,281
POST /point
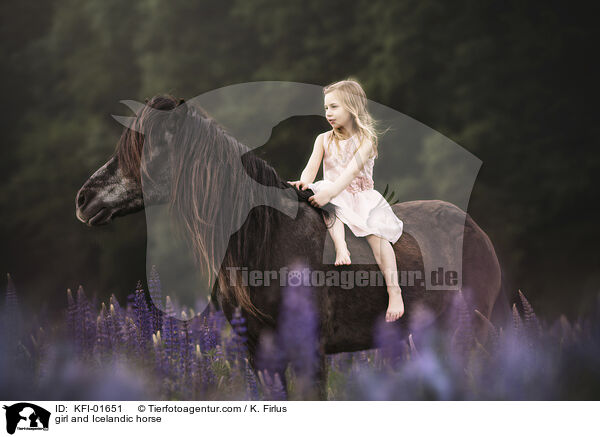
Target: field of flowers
x,y
133,351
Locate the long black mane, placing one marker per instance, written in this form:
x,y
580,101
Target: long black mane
x,y
205,159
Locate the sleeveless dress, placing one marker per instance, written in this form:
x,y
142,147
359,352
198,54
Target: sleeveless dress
x,y
362,208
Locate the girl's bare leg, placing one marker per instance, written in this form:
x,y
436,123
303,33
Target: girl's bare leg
x,y
386,258
342,255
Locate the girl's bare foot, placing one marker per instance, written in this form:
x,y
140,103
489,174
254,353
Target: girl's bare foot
x,y
342,255
396,305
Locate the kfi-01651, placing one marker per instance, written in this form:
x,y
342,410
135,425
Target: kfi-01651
x,y
82,408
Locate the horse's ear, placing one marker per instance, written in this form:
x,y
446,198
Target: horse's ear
x,y
181,108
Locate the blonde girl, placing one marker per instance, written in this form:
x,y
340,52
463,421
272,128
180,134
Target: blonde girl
x,y
348,152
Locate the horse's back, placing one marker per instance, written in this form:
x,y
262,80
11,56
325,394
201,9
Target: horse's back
x,y
450,234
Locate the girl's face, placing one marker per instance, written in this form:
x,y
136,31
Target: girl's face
x,y
336,115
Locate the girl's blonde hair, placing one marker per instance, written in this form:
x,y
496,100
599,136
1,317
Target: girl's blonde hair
x,y
354,100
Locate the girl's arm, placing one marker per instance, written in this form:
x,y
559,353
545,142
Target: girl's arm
x,y
312,168
354,167
350,172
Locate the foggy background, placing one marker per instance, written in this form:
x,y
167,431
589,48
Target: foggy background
x,y
512,83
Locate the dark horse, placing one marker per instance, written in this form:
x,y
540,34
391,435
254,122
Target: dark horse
x,y
203,164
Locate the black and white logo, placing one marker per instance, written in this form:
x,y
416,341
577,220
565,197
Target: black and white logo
x,y
26,416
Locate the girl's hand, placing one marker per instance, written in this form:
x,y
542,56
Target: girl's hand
x,y
300,185
321,198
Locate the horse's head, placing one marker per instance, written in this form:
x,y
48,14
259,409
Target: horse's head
x,y
172,152
138,173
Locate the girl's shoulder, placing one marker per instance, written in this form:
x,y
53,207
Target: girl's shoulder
x,y
327,134
326,137
367,142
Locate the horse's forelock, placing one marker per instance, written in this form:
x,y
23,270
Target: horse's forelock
x,y
130,144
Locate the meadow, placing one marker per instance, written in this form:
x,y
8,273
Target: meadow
x,y
133,351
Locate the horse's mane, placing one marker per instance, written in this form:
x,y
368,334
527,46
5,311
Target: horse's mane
x,y
203,157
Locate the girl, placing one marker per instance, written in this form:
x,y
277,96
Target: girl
x,y
349,152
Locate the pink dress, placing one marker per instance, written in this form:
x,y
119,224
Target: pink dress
x,y
362,208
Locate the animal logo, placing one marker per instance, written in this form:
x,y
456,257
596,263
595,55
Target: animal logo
x,y
26,416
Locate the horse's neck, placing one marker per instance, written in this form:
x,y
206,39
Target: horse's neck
x,y
259,170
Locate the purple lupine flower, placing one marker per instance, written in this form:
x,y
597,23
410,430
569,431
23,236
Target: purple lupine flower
x,y
102,333
171,335
158,305
330,361
161,366
512,369
87,322
517,322
115,303
273,385
217,322
143,318
394,376
195,370
156,318
76,321
208,377
269,358
219,355
345,361
277,391
154,287
187,347
297,332
237,344
533,328
209,338
12,302
118,321
196,325
463,336
115,330
251,384
132,336
71,315
363,357
13,322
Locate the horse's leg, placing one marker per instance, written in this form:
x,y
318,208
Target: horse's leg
x,y
481,275
310,384
280,392
265,375
321,376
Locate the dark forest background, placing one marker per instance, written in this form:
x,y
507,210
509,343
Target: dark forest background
x,y
512,82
